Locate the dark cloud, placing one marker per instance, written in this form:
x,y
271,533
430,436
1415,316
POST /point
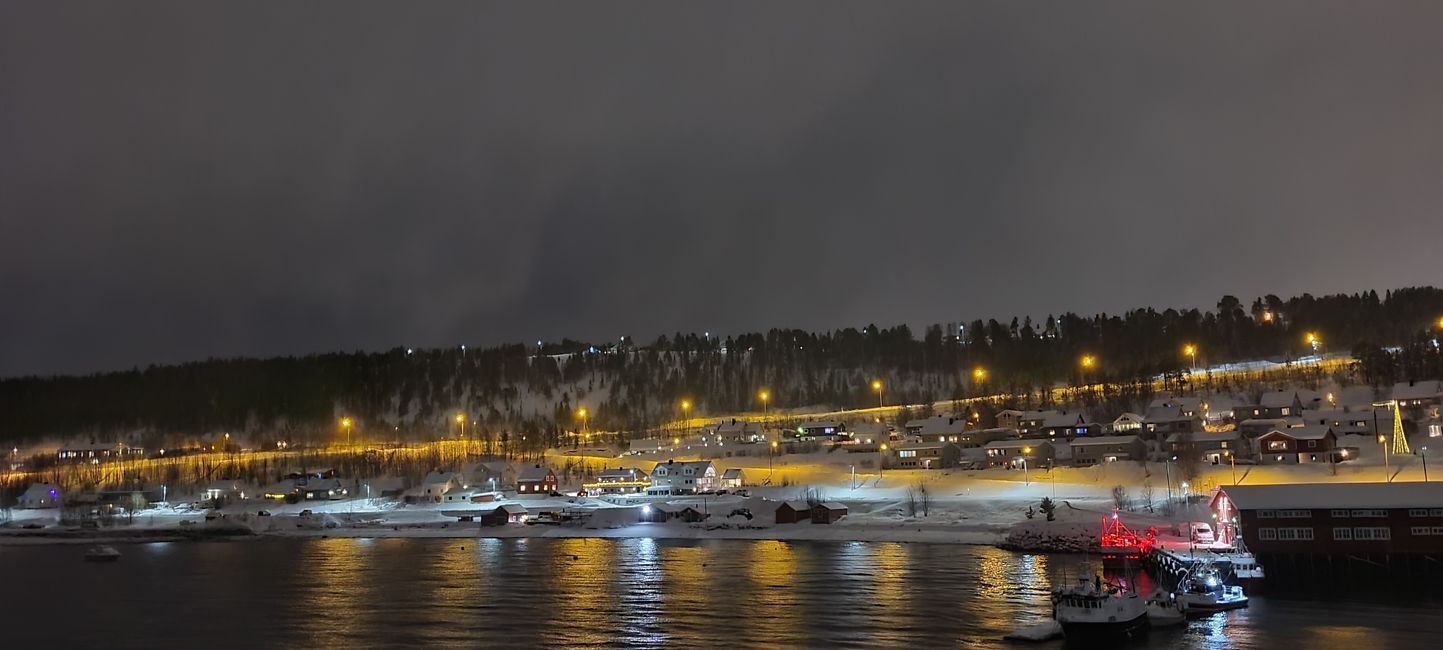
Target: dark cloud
x,y
180,181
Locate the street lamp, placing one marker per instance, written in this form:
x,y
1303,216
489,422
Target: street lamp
x,y
1425,463
1088,362
877,386
581,413
1025,479
882,462
1232,461
979,374
1383,442
771,455
764,396
1313,340
346,424
461,423
686,414
1191,351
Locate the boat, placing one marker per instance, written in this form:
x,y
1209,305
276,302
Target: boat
x,y
1094,611
101,554
1164,609
1119,545
1202,590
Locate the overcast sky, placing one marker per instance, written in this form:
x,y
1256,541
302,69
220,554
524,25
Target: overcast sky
x,y
186,180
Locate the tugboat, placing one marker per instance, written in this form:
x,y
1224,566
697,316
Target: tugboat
x,y
1202,590
101,554
1095,611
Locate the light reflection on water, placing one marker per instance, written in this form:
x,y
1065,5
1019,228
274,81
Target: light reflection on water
x,y
641,593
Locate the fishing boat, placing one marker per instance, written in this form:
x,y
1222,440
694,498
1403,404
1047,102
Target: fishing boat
x,y
1094,611
1119,544
1164,609
1202,590
101,554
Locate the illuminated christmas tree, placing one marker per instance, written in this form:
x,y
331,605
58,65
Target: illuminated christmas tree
x,y
1400,440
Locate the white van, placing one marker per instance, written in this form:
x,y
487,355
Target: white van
x,y
1200,533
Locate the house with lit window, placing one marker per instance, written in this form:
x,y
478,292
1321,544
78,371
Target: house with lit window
x,y
1251,428
41,495
926,455
824,429
1305,444
1210,446
97,452
1127,423
620,480
1352,520
1163,421
1422,398
1278,404
1013,453
1107,449
733,478
536,480
733,431
686,477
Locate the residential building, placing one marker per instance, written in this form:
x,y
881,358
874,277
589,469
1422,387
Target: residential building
x,y
733,478
1305,444
827,512
506,514
41,495
1107,449
1129,423
827,429
1420,397
926,455
621,480
1005,453
1210,446
1254,427
1162,421
686,477
791,512
97,452
1278,404
536,480
435,485
732,431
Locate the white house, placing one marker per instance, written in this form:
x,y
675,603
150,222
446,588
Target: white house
x,y
687,477
733,478
435,485
41,495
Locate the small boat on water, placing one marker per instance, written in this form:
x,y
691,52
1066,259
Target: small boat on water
x,y
1165,609
1203,591
101,554
1094,611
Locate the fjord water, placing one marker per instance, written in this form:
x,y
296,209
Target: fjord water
x,y
633,593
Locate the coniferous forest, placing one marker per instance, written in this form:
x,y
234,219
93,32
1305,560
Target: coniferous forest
x,y
510,391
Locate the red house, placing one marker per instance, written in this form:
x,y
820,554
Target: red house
x,y
1356,520
791,512
1309,444
536,480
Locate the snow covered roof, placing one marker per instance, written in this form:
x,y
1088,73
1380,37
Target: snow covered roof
x,y
1166,414
512,509
1416,390
1280,398
1104,440
735,472
1127,417
1055,419
1015,444
1206,436
41,489
622,473
822,424
1337,495
795,505
1309,432
921,445
533,474
1281,423
832,505
434,478
938,424
1185,403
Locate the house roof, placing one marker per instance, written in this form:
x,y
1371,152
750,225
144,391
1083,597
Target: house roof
x,y
512,509
1206,436
678,466
533,474
1016,444
921,445
938,424
622,473
832,505
821,424
1166,414
1128,417
1285,422
1104,440
795,505
1309,432
1337,495
735,472
1188,403
433,478
1416,390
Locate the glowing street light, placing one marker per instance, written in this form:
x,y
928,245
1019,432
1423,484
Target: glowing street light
x,y
770,455
581,413
461,423
764,396
1383,442
1232,461
1425,463
1191,351
346,424
686,414
979,373
877,386
1313,340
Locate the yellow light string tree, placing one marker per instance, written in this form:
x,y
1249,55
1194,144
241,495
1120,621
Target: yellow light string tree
x,y
1400,439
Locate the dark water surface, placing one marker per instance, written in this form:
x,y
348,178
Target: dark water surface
x,y
641,593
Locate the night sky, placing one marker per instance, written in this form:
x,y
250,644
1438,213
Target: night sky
x,y
185,180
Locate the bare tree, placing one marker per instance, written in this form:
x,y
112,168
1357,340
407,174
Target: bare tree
x,y
924,497
1120,497
1147,495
